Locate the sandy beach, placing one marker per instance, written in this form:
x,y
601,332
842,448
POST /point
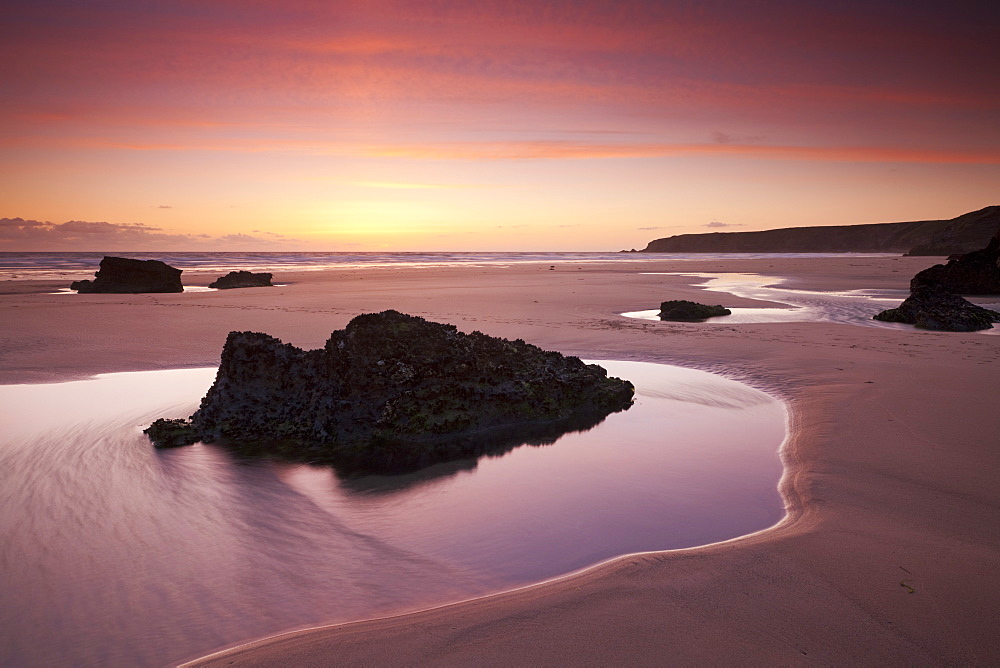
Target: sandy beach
x,y
890,549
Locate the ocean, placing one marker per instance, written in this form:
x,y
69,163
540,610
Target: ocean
x,y
50,265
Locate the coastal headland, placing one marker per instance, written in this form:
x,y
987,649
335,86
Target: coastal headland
x,y
962,234
890,546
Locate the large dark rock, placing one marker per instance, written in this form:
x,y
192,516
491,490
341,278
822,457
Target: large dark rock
x,y
128,276
933,307
242,279
393,393
975,273
683,310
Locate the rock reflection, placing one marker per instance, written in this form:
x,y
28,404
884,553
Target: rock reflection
x,y
487,445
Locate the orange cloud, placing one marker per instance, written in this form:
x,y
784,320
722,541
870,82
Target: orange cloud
x,y
18,234
390,185
546,150
534,150
522,54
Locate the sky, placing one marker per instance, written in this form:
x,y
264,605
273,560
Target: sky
x,y
379,125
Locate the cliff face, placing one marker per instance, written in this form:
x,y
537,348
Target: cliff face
x,y
963,234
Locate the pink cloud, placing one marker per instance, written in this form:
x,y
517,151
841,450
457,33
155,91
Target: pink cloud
x,y
525,54
18,234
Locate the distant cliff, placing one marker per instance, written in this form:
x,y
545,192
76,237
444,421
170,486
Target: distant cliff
x,y
963,234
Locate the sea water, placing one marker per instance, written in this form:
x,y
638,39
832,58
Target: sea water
x,y
48,265
115,553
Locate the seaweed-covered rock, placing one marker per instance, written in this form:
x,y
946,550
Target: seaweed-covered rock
x,y
933,307
975,273
393,393
242,279
171,433
122,275
683,310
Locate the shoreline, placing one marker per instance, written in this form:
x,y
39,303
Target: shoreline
x,y
889,464
44,362
792,513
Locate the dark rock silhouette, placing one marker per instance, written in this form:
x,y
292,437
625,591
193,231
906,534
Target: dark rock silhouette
x,y
683,310
122,275
241,279
933,307
392,393
962,234
975,273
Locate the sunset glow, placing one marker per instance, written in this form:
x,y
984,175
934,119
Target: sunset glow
x,y
416,125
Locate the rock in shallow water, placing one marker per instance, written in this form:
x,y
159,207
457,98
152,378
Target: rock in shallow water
x,y
392,393
933,307
122,275
171,433
242,279
975,273
683,310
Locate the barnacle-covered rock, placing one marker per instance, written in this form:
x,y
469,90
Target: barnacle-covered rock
x,y
975,273
242,279
688,311
393,393
933,307
166,433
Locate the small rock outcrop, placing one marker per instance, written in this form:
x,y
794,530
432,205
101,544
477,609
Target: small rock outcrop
x,y
934,307
171,433
975,273
121,275
242,279
392,393
685,311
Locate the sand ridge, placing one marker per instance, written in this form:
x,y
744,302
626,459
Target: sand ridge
x,y
890,550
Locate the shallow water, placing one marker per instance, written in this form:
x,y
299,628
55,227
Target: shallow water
x,y
116,553
187,288
854,307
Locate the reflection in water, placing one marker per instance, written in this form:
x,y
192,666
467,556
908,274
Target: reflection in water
x,y
116,553
389,484
187,288
855,307
493,442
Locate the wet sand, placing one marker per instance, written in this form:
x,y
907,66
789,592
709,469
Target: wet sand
x,y
890,548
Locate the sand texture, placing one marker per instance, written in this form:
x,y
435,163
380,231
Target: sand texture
x,y
889,554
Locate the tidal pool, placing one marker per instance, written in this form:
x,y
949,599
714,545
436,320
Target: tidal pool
x,y
854,307
116,553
